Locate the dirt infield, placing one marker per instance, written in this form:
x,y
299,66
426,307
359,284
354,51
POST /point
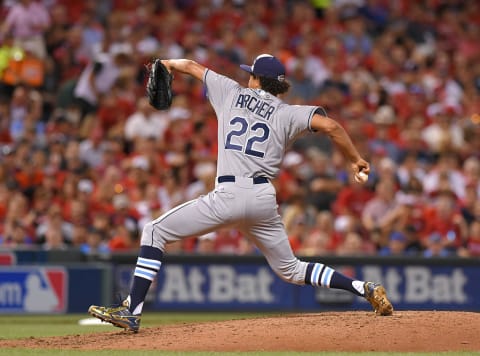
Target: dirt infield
x,y
405,331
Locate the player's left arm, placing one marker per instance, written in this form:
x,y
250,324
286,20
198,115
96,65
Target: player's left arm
x,y
185,66
340,137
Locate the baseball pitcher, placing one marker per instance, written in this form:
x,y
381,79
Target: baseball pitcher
x,y
255,127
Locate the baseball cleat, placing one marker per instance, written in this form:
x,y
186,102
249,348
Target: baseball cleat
x,y
377,296
118,316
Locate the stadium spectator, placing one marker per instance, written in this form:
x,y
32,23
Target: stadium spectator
x,y
403,80
302,88
202,147
445,175
435,247
410,170
54,240
468,205
379,213
95,245
444,133
124,214
313,66
356,39
354,245
397,245
473,241
204,174
19,67
351,199
25,110
289,181
91,148
444,219
322,237
54,232
16,210
471,176
170,193
206,243
296,217
27,21
386,128
322,184
145,122
384,168
98,78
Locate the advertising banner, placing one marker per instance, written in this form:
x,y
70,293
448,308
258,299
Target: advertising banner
x,y
222,287
203,286
414,287
33,290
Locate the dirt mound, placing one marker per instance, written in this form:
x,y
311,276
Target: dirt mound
x,y
412,331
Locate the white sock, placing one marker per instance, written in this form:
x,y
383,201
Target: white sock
x,y
358,285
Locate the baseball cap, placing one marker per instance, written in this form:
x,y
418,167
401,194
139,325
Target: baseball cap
x,y
266,65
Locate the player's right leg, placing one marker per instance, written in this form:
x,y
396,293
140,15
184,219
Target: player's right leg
x,y
270,237
193,218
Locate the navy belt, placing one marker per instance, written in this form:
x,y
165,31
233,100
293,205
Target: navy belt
x,y
256,180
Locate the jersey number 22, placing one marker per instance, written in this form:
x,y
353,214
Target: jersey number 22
x,y
258,132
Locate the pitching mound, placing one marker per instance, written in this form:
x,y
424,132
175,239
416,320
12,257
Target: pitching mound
x,y
332,331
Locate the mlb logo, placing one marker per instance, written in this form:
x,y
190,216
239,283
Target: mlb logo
x,y
33,290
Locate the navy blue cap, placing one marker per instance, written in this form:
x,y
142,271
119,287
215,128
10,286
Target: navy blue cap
x,y
266,65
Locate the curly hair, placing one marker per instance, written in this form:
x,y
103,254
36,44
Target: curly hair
x,y
274,86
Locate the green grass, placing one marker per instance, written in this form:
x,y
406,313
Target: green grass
x,y
26,326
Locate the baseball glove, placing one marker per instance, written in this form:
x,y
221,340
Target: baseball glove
x,y
159,85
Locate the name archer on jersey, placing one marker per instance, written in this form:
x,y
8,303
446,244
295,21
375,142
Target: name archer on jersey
x,y
255,105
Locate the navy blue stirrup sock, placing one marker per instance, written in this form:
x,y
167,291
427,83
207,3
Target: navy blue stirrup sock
x,y
320,275
148,264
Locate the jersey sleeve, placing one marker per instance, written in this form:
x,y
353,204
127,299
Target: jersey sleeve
x,y
300,119
219,87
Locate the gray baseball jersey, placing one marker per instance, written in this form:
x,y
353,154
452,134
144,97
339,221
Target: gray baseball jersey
x,y
255,127
254,130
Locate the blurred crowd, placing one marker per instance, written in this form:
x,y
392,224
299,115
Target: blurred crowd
x,y
85,161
